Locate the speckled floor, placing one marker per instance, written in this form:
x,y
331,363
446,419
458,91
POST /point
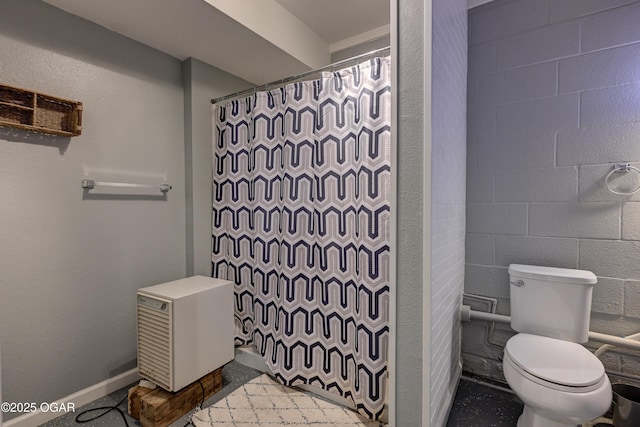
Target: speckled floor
x,y
233,376
476,404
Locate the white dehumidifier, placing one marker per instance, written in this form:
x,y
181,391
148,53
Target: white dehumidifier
x,y
185,330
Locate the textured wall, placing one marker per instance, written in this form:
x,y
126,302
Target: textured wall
x,y
202,82
553,102
448,172
71,263
411,221
431,192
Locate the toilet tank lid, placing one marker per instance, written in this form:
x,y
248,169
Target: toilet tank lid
x,y
553,274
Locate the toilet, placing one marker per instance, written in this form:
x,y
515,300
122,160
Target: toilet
x,y
560,382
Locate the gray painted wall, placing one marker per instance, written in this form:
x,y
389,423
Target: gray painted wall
x,y
71,262
554,101
202,83
448,173
412,226
432,72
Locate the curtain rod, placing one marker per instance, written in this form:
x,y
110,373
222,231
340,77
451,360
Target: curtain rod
x,y
276,83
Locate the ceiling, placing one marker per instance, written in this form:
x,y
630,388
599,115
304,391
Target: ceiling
x,y
257,40
339,20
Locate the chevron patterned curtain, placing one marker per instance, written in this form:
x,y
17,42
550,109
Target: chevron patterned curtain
x,y
301,224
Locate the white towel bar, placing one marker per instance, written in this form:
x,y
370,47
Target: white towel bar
x,y
90,184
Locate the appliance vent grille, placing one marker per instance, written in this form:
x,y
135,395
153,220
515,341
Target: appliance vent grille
x,y
154,345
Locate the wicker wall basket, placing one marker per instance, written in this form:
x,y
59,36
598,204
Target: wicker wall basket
x,y
37,112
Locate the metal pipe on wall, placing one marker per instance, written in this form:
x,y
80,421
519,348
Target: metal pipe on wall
x,y
467,314
614,341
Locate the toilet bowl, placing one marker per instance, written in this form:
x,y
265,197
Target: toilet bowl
x,y
561,383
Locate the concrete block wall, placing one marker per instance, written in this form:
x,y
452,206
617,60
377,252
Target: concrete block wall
x,y
553,103
448,156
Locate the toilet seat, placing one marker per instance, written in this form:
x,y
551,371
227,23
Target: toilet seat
x,y
556,364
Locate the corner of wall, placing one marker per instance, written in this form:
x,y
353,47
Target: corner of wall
x,y
187,83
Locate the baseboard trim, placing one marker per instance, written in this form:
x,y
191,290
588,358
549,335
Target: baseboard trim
x,y
79,399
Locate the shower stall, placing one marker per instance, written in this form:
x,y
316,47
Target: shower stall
x,y
301,224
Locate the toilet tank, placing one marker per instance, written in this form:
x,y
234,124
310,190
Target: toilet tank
x,y
552,302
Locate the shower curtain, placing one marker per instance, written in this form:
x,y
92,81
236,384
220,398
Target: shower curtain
x,y
301,225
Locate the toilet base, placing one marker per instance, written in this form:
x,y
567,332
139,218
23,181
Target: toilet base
x,y
531,419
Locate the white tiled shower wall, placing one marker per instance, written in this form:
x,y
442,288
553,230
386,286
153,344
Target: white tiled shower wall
x,y
553,103
448,110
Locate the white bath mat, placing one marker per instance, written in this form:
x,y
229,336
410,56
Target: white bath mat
x,y
264,402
